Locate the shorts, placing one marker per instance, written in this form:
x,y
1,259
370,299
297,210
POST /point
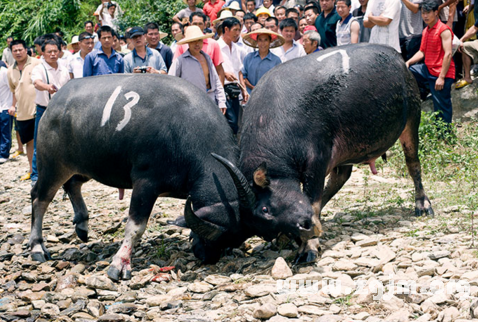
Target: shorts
x,y
471,49
15,124
26,129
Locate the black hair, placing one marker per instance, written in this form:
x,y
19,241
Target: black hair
x,y
313,7
29,51
38,40
180,26
428,6
50,42
111,4
18,42
89,21
54,37
249,16
198,14
251,1
230,23
106,29
307,2
279,7
84,34
8,37
257,23
288,22
276,21
348,3
59,32
150,26
292,10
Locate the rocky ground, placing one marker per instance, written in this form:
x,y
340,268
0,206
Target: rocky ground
x,y
368,243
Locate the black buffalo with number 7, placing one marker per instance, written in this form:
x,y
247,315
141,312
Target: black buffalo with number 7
x,y
314,117
151,133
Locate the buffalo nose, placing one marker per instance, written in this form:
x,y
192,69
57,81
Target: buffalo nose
x,y
305,224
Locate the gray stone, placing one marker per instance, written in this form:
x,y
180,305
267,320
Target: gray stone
x,y
217,279
313,310
439,254
265,311
281,270
50,310
200,287
449,314
111,318
288,310
100,282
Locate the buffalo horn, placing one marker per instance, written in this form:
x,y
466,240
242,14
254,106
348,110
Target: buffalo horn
x,y
205,229
247,198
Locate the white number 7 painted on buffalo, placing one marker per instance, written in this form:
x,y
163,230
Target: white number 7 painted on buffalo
x,y
345,59
127,108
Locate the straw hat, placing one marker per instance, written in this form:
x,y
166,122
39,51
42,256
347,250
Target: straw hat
x,y
233,6
263,10
250,39
224,14
74,40
194,33
162,35
197,2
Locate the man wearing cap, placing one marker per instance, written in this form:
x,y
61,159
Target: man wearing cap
x,y
233,57
153,39
326,24
23,96
143,59
262,14
257,63
86,43
212,7
104,60
74,46
183,15
197,67
210,46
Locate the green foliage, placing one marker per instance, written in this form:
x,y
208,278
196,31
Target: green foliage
x,y
140,12
28,19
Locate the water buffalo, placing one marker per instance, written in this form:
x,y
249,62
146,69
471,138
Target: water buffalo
x,y
151,133
317,116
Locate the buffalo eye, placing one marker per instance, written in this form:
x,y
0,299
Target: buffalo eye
x,y
265,210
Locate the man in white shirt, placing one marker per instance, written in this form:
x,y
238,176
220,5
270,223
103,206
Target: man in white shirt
x,y
6,120
7,56
233,57
48,78
291,49
86,42
383,16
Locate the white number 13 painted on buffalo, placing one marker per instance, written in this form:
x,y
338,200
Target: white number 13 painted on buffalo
x,y
127,108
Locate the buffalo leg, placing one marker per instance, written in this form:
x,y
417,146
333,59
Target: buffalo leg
x,y
43,192
73,189
409,141
142,201
337,179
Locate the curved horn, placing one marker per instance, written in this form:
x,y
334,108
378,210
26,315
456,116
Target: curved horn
x,y
247,198
205,229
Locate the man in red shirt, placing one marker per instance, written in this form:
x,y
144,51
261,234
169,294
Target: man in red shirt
x,y
437,73
212,7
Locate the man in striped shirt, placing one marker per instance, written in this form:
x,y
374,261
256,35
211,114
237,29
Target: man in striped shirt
x,y
437,73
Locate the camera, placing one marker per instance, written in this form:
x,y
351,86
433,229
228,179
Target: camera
x,y
143,69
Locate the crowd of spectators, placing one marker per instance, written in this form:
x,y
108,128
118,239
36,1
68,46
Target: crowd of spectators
x,y
227,46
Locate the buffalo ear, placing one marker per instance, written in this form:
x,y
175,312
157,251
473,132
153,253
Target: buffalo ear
x,y
260,176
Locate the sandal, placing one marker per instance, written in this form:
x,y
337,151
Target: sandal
x,y
26,176
461,83
16,154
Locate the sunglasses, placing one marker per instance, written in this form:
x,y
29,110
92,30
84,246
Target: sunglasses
x,y
87,37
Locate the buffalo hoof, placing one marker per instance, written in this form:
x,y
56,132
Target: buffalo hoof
x,y
82,234
114,274
307,257
428,211
41,257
